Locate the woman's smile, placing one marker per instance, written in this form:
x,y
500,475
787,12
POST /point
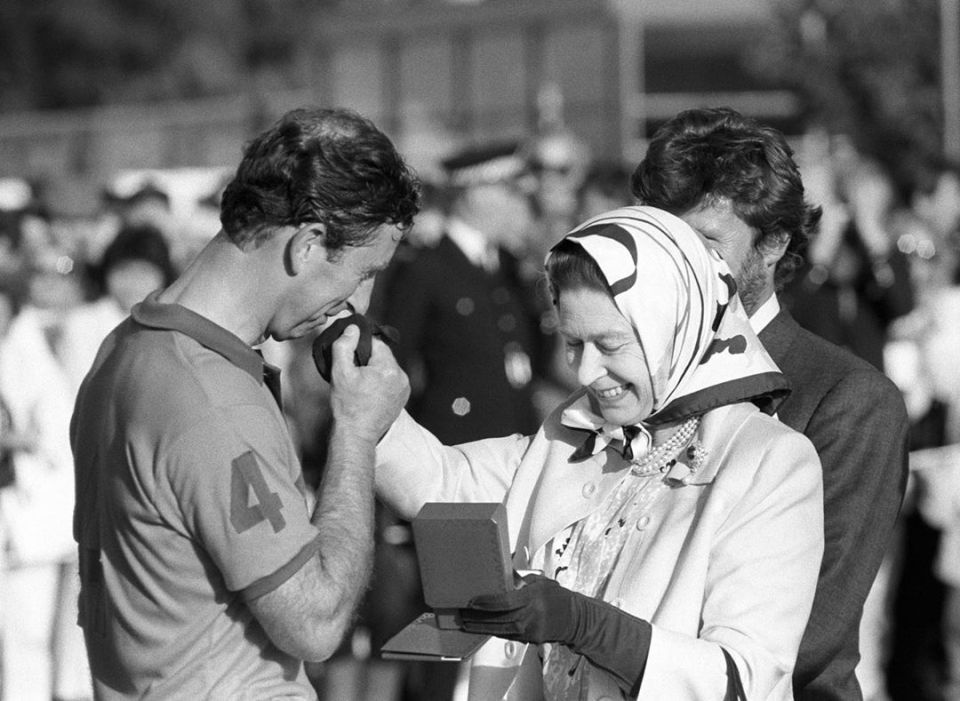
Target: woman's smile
x,y
611,393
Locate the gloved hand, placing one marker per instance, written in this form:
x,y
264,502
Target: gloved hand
x,y
542,611
323,344
538,611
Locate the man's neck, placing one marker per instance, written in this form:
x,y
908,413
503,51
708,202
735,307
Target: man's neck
x,y
212,286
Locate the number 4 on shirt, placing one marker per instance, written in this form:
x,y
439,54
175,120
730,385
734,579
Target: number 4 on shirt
x,y
266,506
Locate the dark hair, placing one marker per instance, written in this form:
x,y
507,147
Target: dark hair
x,y
570,267
711,153
319,165
137,242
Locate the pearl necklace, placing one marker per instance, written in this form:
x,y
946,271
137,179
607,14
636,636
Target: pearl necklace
x,y
656,459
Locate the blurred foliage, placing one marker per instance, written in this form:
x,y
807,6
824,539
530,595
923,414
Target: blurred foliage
x,y
79,53
868,69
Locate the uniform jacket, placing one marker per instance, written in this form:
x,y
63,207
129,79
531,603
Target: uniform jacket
x,y
856,419
468,330
729,558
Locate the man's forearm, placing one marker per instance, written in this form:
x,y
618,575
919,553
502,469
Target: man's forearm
x,y
344,516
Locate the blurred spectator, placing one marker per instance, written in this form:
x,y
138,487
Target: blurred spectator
x,y
921,359
48,263
855,281
605,186
16,196
42,647
146,203
557,159
431,220
135,263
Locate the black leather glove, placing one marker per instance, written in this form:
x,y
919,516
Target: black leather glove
x,y
323,344
542,611
538,611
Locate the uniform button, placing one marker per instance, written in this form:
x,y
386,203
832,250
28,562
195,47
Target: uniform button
x,y
465,306
643,522
461,406
588,489
510,649
507,323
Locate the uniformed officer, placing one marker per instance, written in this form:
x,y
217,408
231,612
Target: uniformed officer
x,y
467,318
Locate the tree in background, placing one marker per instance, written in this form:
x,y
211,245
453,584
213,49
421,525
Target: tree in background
x,y
870,70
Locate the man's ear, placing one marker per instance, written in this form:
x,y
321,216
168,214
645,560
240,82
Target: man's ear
x,y
773,250
307,242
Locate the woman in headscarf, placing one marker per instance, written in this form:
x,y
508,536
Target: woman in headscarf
x,y
678,525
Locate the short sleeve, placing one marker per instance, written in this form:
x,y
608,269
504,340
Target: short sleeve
x,y
238,486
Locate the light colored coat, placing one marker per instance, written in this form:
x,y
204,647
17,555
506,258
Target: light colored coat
x,y
729,558
36,512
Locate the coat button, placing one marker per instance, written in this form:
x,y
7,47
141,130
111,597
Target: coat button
x,y
643,522
588,489
510,649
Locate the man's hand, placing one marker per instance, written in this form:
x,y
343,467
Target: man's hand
x,y
366,398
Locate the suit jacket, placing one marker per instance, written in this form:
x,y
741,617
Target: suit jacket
x,y
855,417
727,559
469,332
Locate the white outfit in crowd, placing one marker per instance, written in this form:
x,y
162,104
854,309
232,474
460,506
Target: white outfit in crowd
x,y
43,654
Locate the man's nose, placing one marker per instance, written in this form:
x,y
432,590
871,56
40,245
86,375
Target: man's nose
x,y
360,299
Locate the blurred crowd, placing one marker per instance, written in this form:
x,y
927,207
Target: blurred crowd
x,y
881,279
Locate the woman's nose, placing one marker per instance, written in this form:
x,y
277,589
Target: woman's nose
x,y
590,367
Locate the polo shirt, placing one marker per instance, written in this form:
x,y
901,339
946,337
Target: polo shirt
x,y
190,503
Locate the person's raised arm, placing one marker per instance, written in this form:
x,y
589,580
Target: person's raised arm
x,y
308,614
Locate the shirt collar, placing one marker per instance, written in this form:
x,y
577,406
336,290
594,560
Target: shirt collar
x,y
765,314
471,241
175,317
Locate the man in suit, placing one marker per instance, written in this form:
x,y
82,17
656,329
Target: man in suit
x,y
735,181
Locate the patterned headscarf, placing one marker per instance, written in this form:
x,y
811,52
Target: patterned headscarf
x,y
680,297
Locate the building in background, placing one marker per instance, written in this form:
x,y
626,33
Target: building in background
x,y
436,73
